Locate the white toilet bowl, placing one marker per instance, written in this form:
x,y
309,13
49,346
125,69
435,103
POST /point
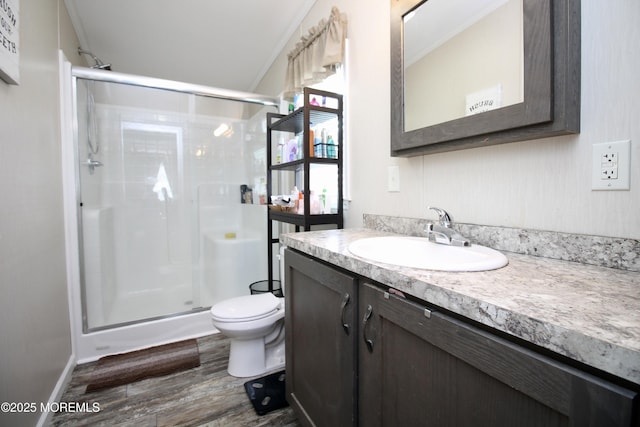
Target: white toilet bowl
x,y
255,327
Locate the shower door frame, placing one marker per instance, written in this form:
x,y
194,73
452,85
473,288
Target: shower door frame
x,y
91,344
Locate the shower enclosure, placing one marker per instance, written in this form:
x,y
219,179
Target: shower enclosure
x,y
163,231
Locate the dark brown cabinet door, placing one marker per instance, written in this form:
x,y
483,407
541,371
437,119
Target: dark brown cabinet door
x,y
419,367
320,329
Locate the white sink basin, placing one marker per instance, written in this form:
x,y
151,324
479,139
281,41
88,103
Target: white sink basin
x,y
419,252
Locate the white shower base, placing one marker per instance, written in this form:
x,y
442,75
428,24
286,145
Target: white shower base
x,y
150,303
92,346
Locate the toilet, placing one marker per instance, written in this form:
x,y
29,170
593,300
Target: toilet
x,y
254,325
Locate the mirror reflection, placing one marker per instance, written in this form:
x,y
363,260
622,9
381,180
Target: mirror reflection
x,y
461,57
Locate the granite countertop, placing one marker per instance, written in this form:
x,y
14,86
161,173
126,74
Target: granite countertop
x,y
588,313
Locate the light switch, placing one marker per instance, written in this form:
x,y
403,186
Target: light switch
x,y
393,178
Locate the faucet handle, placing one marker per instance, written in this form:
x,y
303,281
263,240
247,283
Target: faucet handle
x,y
443,216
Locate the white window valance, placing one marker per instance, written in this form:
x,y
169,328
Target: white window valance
x,y
317,55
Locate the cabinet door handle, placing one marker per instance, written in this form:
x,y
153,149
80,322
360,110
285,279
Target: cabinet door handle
x,y
343,307
367,316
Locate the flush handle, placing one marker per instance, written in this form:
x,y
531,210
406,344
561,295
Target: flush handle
x,y
343,309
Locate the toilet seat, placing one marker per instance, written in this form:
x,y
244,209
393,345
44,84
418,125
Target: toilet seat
x,y
246,308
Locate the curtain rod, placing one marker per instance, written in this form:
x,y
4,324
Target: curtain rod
x,y
172,85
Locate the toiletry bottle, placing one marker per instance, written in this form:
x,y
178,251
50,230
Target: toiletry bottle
x,y
262,191
323,201
317,140
311,141
301,203
243,189
324,142
295,194
279,151
332,150
292,150
314,203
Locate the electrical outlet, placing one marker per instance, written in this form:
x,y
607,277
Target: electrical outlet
x,y
609,173
610,159
611,165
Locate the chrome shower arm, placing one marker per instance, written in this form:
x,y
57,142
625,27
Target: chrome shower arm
x,y
98,63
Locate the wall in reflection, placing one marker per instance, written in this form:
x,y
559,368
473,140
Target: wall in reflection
x,y
464,74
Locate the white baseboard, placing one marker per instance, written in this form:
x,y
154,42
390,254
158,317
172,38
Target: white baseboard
x,y
58,390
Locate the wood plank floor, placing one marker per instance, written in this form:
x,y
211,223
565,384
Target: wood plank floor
x,y
202,396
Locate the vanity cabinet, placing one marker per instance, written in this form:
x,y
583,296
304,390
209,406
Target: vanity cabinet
x,y
422,367
320,319
416,365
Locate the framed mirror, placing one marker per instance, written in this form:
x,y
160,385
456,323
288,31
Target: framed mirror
x,y
471,73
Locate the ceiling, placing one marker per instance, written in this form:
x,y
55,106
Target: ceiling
x,y
224,44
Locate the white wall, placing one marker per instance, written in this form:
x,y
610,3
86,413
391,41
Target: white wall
x,y
542,184
35,340
483,55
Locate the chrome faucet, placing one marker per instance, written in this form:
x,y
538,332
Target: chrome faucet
x,y
443,232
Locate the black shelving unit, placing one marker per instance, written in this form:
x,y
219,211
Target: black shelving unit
x,y
299,123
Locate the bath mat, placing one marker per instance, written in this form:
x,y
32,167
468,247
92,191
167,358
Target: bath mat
x,y
267,393
125,368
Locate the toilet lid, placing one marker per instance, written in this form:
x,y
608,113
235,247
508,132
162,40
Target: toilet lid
x,y
250,307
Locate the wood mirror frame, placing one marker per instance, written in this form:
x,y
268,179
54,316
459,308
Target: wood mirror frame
x,y
551,103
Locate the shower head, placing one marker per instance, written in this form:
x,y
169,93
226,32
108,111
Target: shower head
x,y
98,63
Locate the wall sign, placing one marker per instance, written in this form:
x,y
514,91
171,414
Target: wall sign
x,y
484,100
10,41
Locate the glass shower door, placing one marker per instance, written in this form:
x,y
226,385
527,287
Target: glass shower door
x,y
163,229
135,208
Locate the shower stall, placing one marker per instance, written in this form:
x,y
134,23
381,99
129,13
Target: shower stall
x,y
160,228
